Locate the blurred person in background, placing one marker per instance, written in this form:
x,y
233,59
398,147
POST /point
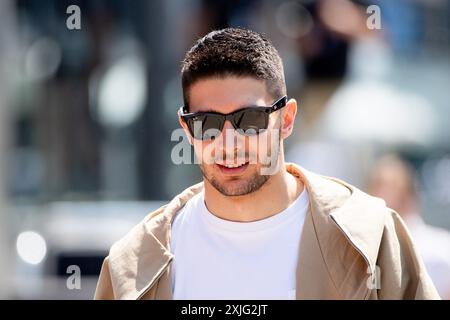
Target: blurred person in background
x,y
252,232
393,180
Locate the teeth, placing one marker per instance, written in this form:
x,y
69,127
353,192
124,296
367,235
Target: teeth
x,y
233,165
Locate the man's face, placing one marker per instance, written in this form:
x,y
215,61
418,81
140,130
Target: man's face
x,y
250,153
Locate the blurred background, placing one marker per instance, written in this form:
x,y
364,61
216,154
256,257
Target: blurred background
x,y
86,117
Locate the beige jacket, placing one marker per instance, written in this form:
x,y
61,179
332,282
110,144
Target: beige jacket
x,y
352,247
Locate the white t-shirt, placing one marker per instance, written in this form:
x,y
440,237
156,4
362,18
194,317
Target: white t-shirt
x,y
221,259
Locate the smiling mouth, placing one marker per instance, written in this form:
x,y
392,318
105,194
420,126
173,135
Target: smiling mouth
x,y
232,169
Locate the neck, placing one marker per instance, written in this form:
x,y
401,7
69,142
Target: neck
x,y
279,191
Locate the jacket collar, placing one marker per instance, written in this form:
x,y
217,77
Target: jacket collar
x,y
340,239
341,236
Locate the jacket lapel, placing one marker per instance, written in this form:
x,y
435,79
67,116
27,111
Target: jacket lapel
x,y
313,278
136,263
141,260
339,245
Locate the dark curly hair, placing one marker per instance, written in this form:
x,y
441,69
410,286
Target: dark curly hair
x,y
233,52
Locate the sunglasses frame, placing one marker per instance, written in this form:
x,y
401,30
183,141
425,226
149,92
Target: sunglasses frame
x,y
267,110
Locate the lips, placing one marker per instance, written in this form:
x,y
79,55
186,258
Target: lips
x,y
232,169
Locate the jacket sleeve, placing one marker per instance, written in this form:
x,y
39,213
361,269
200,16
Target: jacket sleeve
x,y
104,290
402,271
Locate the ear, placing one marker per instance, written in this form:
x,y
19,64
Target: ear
x,y
186,130
288,117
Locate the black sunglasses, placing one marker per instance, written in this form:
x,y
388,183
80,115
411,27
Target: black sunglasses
x,y
247,121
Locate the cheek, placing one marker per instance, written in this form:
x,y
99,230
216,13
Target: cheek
x,y
256,147
204,151
266,139
252,144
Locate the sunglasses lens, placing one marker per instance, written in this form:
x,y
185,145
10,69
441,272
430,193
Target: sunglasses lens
x,y
205,127
250,122
247,122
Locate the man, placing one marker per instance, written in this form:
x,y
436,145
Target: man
x,y
257,227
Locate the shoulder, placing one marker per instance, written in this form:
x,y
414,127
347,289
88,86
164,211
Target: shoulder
x,y
155,225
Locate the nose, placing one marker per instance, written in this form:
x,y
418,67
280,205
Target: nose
x,y
230,141
227,136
